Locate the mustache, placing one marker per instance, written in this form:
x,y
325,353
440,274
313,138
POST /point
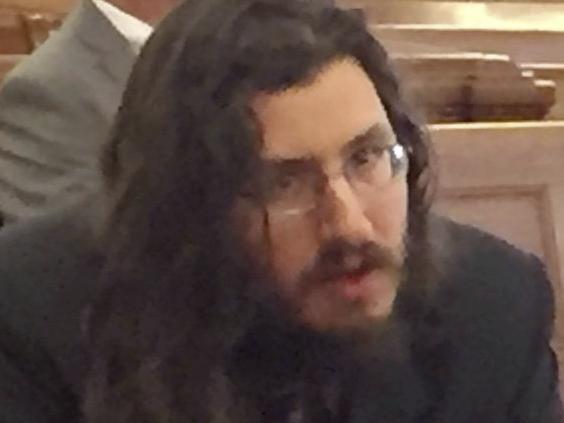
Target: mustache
x,y
341,257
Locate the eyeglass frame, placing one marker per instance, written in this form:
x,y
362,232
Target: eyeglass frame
x,y
396,151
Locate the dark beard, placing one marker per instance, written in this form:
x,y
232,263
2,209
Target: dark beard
x,y
282,368
219,344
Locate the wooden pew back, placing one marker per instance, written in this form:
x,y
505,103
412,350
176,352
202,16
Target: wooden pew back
x,y
13,37
521,45
22,32
468,87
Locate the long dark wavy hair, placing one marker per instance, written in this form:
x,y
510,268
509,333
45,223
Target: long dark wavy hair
x,y
174,300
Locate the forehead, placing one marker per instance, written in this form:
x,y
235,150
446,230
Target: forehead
x,y
319,119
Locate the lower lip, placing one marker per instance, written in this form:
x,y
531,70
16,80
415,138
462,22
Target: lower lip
x,y
357,287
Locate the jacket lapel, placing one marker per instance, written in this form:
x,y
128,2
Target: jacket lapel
x,y
96,33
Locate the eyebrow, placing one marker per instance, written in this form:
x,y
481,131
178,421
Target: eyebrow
x,y
291,164
375,134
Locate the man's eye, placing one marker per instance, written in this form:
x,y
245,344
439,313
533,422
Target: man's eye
x,y
284,182
365,155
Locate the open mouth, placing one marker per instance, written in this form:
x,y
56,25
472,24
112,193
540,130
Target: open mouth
x,y
360,284
353,278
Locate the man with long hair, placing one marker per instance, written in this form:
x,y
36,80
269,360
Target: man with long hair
x,y
269,255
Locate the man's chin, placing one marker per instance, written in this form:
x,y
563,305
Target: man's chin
x,y
350,326
351,306
364,336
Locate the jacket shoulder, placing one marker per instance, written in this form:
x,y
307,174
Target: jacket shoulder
x,y
466,252
490,289
497,313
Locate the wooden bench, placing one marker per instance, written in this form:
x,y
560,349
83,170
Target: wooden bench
x,y
553,72
469,87
39,26
58,6
23,32
13,37
523,46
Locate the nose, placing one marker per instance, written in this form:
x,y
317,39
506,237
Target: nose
x,y
342,214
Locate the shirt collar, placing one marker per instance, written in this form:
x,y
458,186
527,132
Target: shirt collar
x,y
135,31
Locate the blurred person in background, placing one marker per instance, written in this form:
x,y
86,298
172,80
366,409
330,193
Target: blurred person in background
x,y
56,107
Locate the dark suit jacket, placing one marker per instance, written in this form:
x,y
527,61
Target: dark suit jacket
x,y
48,269
489,360
482,353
